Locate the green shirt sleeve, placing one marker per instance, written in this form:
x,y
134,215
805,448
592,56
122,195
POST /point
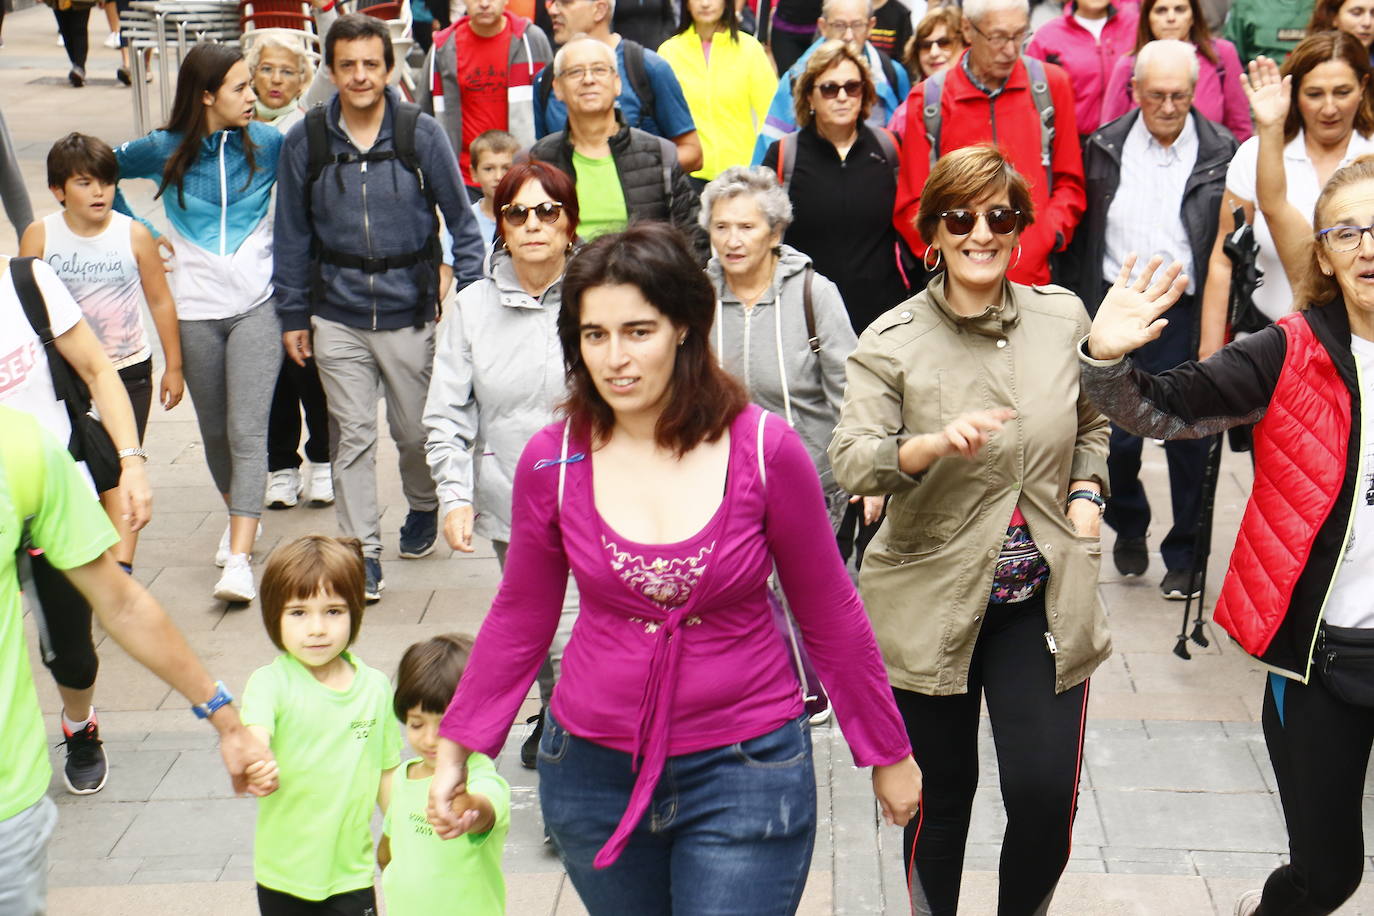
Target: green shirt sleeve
x,y
70,526
259,700
485,781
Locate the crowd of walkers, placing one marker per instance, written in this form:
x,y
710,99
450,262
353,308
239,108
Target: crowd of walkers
x,y
654,295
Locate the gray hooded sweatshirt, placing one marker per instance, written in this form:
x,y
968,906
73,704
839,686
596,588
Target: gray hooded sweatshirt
x,y
766,348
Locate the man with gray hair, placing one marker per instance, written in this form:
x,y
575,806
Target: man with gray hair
x,y
622,173
1023,106
1155,178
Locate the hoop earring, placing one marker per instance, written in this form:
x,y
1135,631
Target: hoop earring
x,y
925,260
1018,255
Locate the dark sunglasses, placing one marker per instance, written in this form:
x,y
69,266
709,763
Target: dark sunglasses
x,y
944,44
852,88
519,214
1001,220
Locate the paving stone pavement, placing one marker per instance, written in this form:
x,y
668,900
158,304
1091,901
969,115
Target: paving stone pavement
x,y
1177,810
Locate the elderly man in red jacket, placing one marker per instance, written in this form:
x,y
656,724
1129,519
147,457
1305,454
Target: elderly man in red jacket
x,y
1023,106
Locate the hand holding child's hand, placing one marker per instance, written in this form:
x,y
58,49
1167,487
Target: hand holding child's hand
x,y
448,785
262,777
466,814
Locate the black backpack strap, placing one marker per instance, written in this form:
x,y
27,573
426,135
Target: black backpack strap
x,y
31,298
431,256
638,75
809,310
889,70
317,157
70,390
544,86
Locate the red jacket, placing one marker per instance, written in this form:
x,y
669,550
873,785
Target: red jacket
x,y
968,117
1089,61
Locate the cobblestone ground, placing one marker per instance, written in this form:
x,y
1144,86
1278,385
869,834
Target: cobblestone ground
x,y
1178,813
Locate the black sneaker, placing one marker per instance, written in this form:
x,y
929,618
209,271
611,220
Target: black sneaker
x,y
1132,556
1180,585
529,751
86,768
77,77
373,583
419,533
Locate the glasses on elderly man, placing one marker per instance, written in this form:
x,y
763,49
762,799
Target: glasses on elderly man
x,y
1001,220
839,25
1159,98
998,39
852,88
598,72
1344,238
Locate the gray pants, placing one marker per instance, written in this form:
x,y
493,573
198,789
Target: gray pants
x,y
553,664
231,367
24,859
351,362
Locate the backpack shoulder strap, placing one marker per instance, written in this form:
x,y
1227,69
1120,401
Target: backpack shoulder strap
x,y
544,86
930,113
889,70
31,298
809,310
787,160
316,143
407,117
638,76
1044,107
667,154
891,147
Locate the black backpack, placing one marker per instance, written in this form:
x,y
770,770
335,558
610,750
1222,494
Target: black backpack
x,y
429,256
635,72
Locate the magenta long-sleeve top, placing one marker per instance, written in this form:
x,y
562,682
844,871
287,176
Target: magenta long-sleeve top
x,y
1218,96
675,649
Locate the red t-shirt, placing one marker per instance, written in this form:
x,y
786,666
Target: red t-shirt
x,y
482,81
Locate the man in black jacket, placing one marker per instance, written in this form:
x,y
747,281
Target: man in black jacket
x,y
622,173
1154,180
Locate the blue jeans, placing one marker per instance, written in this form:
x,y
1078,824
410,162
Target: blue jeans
x,y
729,830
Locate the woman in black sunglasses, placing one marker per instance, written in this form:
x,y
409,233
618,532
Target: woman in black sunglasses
x,y
963,404
498,372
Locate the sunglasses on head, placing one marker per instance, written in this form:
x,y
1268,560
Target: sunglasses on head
x,y
1001,220
519,214
851,88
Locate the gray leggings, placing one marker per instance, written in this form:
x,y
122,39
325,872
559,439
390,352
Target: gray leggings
x,y
231,367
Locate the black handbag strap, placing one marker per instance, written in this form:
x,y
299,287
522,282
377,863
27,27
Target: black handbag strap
x,y
64,382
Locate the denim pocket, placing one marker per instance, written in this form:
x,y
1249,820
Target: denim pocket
x,y
783,747
553,744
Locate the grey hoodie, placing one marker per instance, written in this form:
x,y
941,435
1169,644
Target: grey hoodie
x,y
498,372
766,348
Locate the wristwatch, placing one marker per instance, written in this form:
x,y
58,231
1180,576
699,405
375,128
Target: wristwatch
x,y
133,453
221,698
1092,496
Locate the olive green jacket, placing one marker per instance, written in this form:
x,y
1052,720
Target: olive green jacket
x,y
928,573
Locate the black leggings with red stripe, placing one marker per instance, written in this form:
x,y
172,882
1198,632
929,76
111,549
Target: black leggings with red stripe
x,y
1039,740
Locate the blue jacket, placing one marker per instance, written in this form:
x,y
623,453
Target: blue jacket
x,y
375,212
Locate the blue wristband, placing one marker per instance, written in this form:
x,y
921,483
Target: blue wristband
x,y
221,699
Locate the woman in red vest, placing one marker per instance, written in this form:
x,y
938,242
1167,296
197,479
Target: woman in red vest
x,y
1296,594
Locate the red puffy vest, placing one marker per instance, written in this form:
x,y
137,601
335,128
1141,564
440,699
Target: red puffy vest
x,y
1300,458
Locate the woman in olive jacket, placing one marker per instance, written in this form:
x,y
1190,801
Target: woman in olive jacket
x,y
963,403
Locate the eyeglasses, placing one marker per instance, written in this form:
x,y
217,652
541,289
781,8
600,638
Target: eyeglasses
x,y
857,26
944,44
270,71
998,39
1001,220
1344,238
519,214
852,89
599,72
1179,99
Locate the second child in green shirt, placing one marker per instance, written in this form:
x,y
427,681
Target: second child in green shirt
x,y
327,718
423,874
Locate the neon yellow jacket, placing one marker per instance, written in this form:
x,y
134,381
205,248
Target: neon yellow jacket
x,y
728,96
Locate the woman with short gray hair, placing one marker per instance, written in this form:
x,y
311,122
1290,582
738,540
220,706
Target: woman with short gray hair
x,y
780,327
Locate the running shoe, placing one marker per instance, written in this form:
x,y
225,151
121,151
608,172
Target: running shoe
x,y
321,485
112,40
419,533
222,551
373,583
284,488
235,584
86,768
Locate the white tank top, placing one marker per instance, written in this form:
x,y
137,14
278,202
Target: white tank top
x,y
102,276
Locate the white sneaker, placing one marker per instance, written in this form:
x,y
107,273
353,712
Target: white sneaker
x,y
284,488
222,551
321,485
60,42
1249,902
236,583
112,40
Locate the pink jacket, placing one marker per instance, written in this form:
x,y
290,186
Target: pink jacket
x,y
657,682
1088,61
1218,97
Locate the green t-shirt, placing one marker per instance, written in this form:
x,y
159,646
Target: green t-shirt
x,y
313,836
430,876
600,198
40,479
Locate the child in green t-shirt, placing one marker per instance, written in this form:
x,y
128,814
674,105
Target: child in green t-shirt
x,y
420,872
327,718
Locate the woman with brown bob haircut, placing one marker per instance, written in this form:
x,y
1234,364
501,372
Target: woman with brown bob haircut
x,y
672,501
963,404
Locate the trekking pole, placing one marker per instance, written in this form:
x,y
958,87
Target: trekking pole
x,y
1202,552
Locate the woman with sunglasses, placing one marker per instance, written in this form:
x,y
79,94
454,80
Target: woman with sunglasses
x,y
1217,96
963,404
936,46
498,369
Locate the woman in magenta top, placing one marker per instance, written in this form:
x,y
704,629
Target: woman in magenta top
x,y
675,764
1218,96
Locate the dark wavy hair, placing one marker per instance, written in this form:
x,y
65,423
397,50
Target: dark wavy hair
x,y
552,179
703,399
1200,36
203,70
1321,48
